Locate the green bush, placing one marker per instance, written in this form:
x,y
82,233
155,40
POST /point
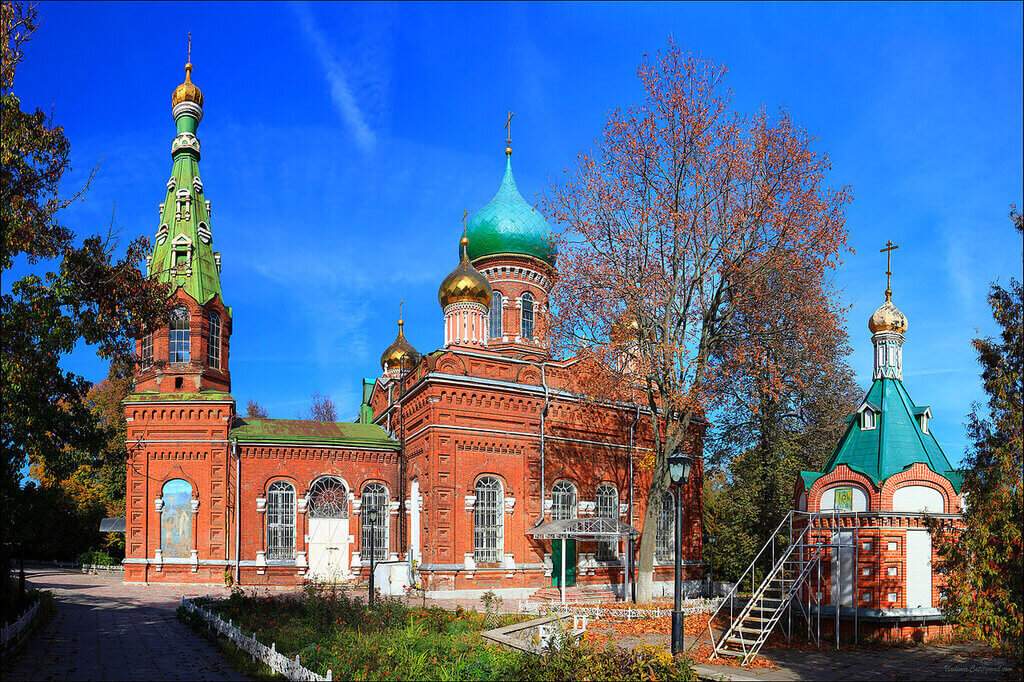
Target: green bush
x,y
393,641
96,557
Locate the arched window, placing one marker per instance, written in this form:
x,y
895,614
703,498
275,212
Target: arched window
x,y
280,521
563,501
176,519
375,532
147,350
328,499
664,540
179,347
526,328
494,318
607,507
488,520
213,342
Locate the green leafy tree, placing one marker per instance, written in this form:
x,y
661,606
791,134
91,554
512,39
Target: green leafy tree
x,y
984,564
75,290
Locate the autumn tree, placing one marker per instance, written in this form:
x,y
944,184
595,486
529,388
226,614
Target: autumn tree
x,y
321,409
255,411
984,565
677,228
75,290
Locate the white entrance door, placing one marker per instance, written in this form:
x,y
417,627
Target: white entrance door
x,y
414,519
919,569
843,567
328,549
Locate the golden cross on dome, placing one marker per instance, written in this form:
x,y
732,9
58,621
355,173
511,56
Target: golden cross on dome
x,y
401,302
508,133
889,247
189,47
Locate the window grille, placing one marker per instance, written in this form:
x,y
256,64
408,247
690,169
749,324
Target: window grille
x,y
179,346
494,317
607,507
563,501
375,535
526,330
328,499
280,521
147,350
664,540
488,520
213,342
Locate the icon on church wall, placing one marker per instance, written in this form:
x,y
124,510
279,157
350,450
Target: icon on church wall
x,y
844,499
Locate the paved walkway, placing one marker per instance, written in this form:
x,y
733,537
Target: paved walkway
x,y
104,630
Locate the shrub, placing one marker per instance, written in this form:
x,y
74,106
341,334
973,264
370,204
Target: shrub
x,y
96,557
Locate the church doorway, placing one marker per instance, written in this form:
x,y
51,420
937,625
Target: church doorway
x,y
919,569
328,530
843,568
558,548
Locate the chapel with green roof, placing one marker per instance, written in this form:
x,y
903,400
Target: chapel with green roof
x,y
886,477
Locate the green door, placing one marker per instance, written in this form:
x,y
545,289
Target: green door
x,y
556,562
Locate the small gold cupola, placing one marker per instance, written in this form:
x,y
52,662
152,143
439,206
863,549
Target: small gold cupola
x,y
187,91
464,284
400,355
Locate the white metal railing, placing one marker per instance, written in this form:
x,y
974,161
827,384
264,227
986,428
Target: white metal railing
x,y
289,667
691,607
14,630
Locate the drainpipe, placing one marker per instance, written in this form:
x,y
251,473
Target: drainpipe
x,y
629,543
543,415
238,512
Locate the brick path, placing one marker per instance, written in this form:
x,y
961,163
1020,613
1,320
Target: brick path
x,y
104,630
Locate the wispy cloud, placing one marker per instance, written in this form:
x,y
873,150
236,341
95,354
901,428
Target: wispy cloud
x,y
341,92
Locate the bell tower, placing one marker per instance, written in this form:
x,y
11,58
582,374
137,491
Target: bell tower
x,y
189,353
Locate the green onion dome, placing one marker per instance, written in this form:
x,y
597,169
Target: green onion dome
x,y
510,225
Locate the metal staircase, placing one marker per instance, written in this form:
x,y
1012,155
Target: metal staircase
x,y
785,573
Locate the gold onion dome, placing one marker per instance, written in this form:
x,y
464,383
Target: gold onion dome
x,y
888,318
465,283
626,327
187,91
400,354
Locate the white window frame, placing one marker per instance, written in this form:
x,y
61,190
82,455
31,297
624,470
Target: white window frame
x,y
213,340
867,420
147,350
179,340
280,521
488,520
606,505
374,537
494,320
564,500
526,316
664,539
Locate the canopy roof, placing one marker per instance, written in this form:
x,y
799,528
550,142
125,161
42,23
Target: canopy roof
x,y
303,431
593,527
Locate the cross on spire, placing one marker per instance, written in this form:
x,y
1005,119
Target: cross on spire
x,y
401,302
508,133
889,247
189,47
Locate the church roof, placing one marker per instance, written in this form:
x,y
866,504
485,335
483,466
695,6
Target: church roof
x,y
896,442
507,224
183,252
308,432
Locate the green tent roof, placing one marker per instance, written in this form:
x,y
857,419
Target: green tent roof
x,y
183,252
896,442
302,431
507,224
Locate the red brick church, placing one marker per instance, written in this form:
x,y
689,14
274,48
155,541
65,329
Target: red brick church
x,y
472,467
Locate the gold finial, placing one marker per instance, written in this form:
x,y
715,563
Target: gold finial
x,y
889,246
190,47
187,91
508,134
401,322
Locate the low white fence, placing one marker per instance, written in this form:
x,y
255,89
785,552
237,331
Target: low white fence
x,y
289,667
691,607
13,631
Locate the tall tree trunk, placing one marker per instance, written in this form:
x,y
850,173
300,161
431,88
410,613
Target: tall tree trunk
x,y
648,539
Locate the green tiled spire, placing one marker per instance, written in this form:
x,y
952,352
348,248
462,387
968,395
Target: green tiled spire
x,y
510,225
895,443
183,253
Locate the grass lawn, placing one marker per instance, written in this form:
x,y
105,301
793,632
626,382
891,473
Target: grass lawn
x,y
395,641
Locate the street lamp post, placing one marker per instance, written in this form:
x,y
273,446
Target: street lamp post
x,y
371,518
679,470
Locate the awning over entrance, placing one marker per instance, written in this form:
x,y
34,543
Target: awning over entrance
x,y
112,526
590,528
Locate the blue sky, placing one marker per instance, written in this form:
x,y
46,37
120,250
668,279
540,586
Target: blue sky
x,y
341,144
